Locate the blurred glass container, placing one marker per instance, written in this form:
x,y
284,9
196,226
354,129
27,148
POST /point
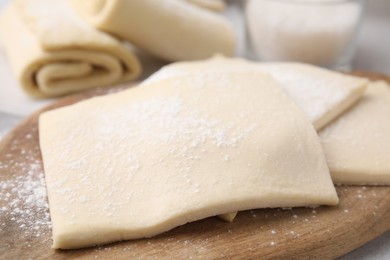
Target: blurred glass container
x,y
320,32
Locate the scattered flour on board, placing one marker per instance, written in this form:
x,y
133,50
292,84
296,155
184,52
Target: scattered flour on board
x,y
23,197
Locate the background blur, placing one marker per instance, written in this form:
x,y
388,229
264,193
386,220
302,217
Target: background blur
x,y
373,49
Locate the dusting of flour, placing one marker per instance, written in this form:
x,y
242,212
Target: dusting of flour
x,y
23,197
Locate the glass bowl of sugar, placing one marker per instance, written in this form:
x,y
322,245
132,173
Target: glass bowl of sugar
x,y
320,32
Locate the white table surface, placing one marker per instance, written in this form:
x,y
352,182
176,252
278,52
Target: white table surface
x,y
373,54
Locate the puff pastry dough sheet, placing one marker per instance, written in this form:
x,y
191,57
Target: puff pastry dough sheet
x,y
140,162
53,52
171,29
357,145
321,94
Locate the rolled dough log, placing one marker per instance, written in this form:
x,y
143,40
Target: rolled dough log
x,y
321,94
53,52
357,145
171,29
140,162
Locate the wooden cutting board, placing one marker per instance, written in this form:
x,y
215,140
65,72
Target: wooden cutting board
x,y
299,233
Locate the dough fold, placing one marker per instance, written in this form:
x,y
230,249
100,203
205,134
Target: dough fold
x,y
357,145
321,94
171,29
137,163
53,52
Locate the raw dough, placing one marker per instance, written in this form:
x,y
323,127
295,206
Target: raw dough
x,y
170,29
357,145
53,52
322,94
141,162
215,5
228,217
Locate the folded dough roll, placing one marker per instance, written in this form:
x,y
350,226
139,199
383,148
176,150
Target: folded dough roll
x,y
170,29
53,52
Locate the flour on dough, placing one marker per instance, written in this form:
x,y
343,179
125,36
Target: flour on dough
x,y
322,94
140,162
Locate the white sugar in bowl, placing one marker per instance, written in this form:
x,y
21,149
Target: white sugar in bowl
x,y
320,32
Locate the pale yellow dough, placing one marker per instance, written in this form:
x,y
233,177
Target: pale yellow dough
x,y
53,52
215,5
140,162
321,94
171,29
357,145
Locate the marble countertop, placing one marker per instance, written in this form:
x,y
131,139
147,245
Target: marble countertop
x,y
373,54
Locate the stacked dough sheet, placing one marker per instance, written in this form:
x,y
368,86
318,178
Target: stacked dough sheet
x,y
207,138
